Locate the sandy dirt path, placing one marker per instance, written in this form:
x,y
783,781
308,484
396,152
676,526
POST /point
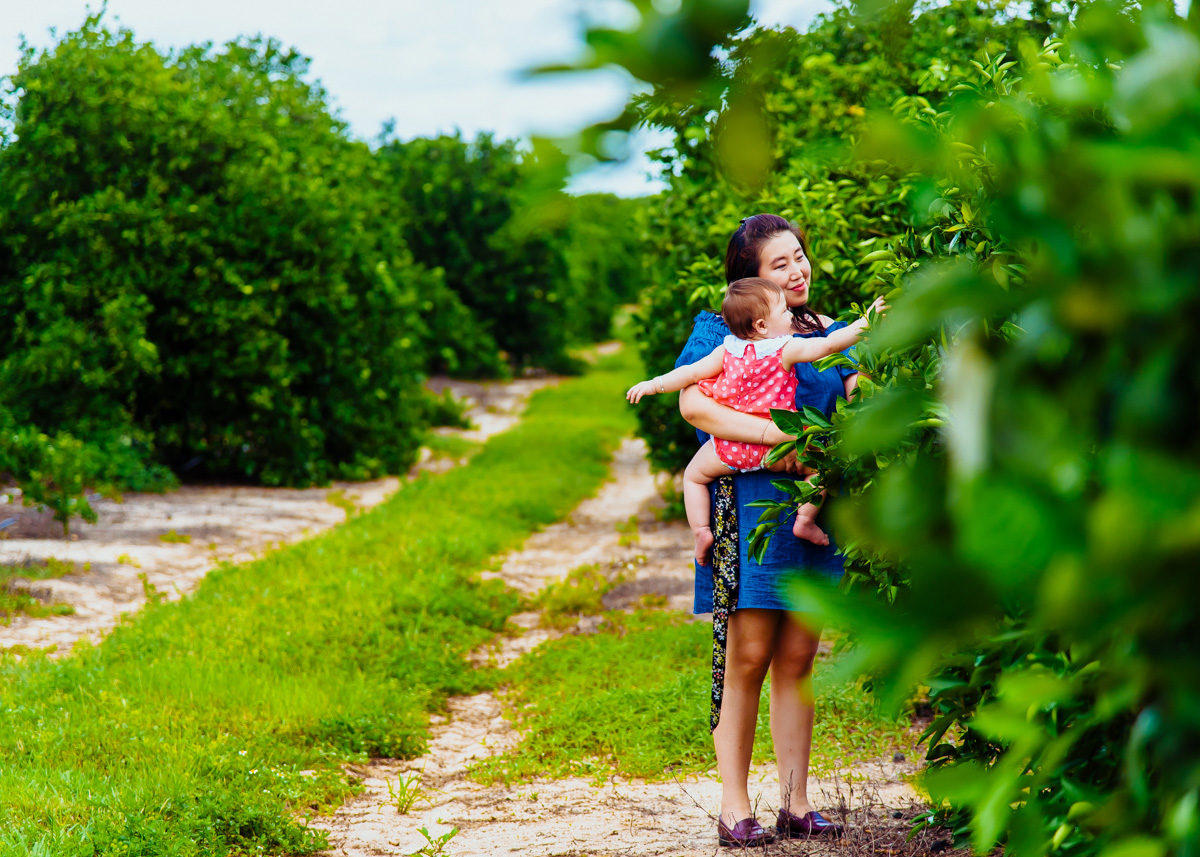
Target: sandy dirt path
x,y
124,552
575,816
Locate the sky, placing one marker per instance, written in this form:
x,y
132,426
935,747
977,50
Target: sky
x,y
434,66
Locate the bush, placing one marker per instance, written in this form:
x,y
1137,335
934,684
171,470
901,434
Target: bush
x,y
531,271
1020,473
195,255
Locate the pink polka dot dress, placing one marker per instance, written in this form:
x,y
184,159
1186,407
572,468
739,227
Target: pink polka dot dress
x,y
752,381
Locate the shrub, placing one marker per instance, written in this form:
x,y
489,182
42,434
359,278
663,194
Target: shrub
x,y
1020,474
531,271
194,255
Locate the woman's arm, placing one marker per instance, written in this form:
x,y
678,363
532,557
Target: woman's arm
x,y
724,422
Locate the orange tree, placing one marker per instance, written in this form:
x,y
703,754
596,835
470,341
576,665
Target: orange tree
x,y
531,270
1020,478
197,270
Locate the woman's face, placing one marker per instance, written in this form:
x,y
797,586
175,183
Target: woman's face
x,y
782,261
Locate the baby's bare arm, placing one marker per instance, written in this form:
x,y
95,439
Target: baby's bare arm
x,y
811,349
677,379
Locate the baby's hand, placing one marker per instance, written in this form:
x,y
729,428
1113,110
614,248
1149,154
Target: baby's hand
x,y
645,388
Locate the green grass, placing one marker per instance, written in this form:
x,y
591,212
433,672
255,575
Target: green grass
x,y
209,726
448,445
580,593
15,602
634,701
41,569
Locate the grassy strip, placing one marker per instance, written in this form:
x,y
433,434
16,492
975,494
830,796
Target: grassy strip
x,y
580,593
17,601
634,701
206,726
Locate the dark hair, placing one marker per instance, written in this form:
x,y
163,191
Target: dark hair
x,y
746,301
742,259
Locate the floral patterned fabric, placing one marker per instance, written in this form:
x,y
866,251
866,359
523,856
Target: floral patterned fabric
x,y
743,582
725,565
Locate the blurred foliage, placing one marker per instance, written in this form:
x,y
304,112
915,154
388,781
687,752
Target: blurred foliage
x,y
202,272
1020,475
796,103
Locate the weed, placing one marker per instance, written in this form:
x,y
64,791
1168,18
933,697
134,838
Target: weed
x,y
407,791
150,591
629,532
126,559
15,599
445,410
580,593
442,445
33,569
435,846
337,497
172,537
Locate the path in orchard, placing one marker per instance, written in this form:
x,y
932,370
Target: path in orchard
x,y
171,541
574,816
126,553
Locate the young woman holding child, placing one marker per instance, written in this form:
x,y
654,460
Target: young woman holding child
x,y
752,631
751,371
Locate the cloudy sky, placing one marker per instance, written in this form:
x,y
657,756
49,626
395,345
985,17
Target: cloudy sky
x,y
432,65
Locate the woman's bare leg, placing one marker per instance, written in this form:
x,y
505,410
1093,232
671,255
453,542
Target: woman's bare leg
x,y
748,652
792,710
704,467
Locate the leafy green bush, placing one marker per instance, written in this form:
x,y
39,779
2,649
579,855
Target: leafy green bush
x,y
531,271
1020,476
802,99
194,255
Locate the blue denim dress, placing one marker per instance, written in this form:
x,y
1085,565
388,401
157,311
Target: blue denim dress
x,y
758,582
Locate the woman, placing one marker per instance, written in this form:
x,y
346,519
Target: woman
x,y
752,632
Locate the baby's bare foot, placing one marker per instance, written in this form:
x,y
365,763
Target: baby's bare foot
x,y
805,528
704,541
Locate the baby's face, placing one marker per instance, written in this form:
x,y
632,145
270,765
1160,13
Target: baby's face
x,y
779,321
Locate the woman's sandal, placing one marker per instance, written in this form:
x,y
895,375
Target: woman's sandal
x,y
809,826
747,833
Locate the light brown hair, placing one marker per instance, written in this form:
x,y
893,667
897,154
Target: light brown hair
x,y
746,301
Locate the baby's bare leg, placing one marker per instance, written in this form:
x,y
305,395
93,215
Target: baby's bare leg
x,y
805,526
704,467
